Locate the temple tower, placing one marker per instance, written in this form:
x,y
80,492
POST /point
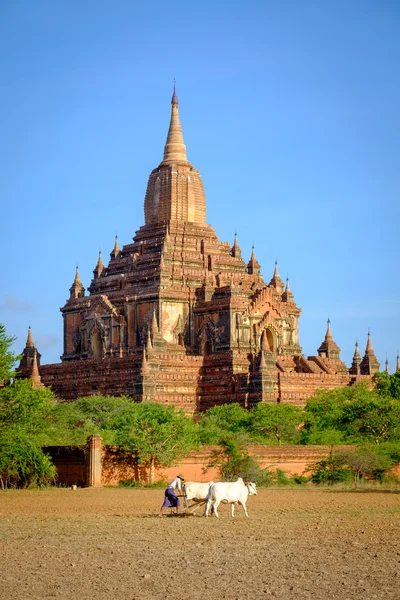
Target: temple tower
x,y
329,348
355,365
175,189
369,364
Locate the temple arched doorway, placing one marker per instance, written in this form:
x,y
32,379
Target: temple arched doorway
x,y
97,346
270,340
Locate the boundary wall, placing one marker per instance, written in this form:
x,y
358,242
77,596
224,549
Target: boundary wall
x,y
96,465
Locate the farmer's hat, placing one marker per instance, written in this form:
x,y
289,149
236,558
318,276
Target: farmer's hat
x,y
181,477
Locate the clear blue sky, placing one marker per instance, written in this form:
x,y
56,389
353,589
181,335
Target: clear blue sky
x,y
290,110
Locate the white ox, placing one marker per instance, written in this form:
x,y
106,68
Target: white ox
x,y
194,490
229,492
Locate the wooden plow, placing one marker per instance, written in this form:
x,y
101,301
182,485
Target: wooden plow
x,y
190,509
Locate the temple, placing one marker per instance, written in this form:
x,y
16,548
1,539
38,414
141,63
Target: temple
x,y
180,318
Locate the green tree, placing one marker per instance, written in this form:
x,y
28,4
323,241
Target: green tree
x,y
358,414
372,419
275,423
365,461
154,434
24,412
25,408
22,461
387,385
329,470
73,422
220,420
7,357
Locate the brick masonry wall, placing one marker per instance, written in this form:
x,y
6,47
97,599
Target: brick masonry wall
x,y
72,463
97,465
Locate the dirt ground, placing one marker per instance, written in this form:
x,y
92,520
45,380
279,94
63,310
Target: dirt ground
x,y
109,543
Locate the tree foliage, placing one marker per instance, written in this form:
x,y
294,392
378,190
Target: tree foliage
x,y
357,414
24,412
7,357
329,470
275,423
74,422
156,435
25,408
22,461
365,461
387,385
220,420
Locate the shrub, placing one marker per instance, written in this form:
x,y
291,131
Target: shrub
x,y
23,463
135,483
329,470
247,468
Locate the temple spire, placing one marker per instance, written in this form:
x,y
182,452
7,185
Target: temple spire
x,y
76,290
287,295
115,251
355,365
397,362
99,267
369,349
276,281
329,348
149,345
253,266
175,149
264,342
235,250
387,365
154,325
328,335
35,375
29,365
29,340
369,364
144,369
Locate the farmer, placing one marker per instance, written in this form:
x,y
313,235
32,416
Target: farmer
x,y
171,500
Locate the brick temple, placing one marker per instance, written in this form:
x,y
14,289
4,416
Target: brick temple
x,y
180,318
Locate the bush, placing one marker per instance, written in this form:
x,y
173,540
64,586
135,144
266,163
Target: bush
x,y
130,483
329,471
247,468
135,483
23,463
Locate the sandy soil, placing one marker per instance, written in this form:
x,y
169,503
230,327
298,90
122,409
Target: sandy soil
x,y
110,543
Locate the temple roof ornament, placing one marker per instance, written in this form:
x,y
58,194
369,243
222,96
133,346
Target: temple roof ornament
x,y
235,250
276,281
99,267
144,369
369,364
264,342
149,345
287,295
29,340
175,190
329,348
76,290
253,266
355,365
35,375
30,360
175,149
115,251
154,324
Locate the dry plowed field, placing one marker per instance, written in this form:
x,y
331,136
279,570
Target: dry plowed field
x,y
110,543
